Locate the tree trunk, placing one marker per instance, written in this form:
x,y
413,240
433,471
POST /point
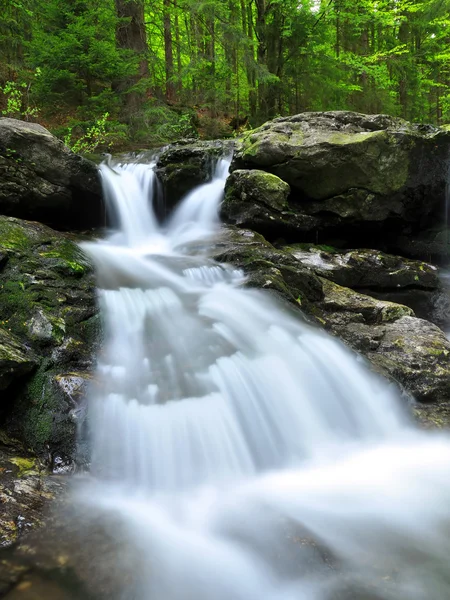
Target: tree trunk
x,y
131,35
168,53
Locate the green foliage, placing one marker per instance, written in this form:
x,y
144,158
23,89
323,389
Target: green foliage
x,y
15,101
155,69
96,135
161,125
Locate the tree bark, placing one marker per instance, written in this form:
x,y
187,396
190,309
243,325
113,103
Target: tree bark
x,y
168,53
131,35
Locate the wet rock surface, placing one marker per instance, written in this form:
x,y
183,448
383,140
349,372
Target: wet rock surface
x,y
266,267
417,284
366,269
298,178
182,167
26,490
41,179
411,351
48,335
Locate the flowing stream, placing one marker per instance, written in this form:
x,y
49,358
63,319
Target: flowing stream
x,y
251,456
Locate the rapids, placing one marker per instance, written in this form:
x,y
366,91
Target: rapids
x,y
251,456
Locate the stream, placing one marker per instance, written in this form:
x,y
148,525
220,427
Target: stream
x,y
250,455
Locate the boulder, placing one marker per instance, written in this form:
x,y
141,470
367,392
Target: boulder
x,y
50,328
408,350
257,199
41,179
183,166
364,177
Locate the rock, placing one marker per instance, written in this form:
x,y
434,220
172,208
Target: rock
x,y
432,416
416,353
383,276
366,269
410,351
16,360
254,198
26,488
182,167
364,177
41,179
266,267
47,295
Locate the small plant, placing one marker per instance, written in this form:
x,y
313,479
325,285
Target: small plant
x,y
14,93
95,136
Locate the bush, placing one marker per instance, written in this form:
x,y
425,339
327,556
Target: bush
x,y
16,105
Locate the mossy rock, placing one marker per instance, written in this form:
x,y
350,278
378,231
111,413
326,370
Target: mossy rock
x,y
265,266
366,269
47,295
360,177
259,200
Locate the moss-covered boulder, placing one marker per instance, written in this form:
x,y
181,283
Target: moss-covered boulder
x,y
183,166
257,199
41,179
47,300
362,176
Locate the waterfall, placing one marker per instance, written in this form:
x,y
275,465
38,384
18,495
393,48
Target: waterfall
x,y
251,456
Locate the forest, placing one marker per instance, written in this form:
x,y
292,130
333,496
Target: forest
x,y
126,74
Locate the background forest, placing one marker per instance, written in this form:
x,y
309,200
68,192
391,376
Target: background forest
x,y
134,73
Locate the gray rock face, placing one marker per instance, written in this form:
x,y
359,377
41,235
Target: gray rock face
x,y
367,269
182,167
411,351
417,284
42,180
26,488
359,175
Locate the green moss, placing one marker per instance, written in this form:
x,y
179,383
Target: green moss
x,y
58,328
306,247
251,150
35,410
15,301
393,312
69,259
341,138
12,235
253,143
26,466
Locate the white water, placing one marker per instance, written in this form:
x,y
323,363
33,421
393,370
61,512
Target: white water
x,y
251,456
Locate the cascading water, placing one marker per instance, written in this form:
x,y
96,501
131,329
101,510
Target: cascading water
x,y
251,456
